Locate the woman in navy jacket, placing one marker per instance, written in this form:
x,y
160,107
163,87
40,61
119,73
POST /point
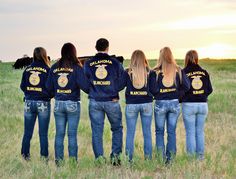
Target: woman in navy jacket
x,y
138,101
65,80
194,104
165,85
37,102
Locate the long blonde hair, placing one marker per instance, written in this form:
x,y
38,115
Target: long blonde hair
x,y
138,69
40,54
167,64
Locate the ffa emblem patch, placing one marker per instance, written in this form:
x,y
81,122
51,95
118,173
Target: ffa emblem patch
x,y
197,82
62,80
101,72
138,85
167,83
34,78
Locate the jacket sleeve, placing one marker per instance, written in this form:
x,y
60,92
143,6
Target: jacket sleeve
x,y
185,85
86,69
121,74
121,70
81,80
50,84
23,82
153,83
209,87
122,82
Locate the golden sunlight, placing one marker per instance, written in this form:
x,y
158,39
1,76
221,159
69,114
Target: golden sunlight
x,y
217,50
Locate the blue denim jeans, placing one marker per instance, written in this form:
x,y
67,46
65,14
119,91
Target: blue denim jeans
x,y
131,113
32,110
97,111
166,111
194,116
66,112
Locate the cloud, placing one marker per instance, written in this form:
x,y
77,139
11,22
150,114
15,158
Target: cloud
x,y
148,25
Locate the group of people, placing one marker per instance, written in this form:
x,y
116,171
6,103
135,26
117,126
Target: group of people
x,y
102,77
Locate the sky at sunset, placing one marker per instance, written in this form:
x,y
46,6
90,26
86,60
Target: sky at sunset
x,y
209,26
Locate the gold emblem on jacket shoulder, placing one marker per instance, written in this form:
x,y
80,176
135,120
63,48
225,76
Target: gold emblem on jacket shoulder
x,y
34,78
197,82
101,72
62,80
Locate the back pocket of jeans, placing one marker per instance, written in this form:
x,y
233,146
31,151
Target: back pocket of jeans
x,y
71,107
27,106
159,109
147,109
56,107
130,110
42,106
176,109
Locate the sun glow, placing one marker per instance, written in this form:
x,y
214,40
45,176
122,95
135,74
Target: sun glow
x,y
204,22
216,50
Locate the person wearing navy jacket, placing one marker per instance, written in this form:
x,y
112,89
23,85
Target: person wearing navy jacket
x,y
65,80
194,104
138,100
37,102
104,72
165,85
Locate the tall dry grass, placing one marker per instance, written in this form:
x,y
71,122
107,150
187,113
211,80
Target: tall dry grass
x,y
220,135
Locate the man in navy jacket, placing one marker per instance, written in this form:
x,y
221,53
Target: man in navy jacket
x,y
104,72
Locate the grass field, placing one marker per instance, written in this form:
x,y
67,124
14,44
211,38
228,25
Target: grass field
x,y
220,137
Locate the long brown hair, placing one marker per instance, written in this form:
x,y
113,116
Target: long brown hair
x,y
191,57
138,69
40,54
167,64
68,56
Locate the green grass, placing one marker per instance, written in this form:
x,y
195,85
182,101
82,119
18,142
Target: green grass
x,y
220,136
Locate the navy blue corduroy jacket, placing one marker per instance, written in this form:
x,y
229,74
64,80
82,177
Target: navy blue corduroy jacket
x,y
200,86
33,82
161,92
133,95
65,83
103,72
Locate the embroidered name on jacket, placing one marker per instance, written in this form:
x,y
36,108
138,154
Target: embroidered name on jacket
x,y
166,90
199,92
196,73
197,83
37,69
34,89
102,83
141,93
64,91
63,69
100,61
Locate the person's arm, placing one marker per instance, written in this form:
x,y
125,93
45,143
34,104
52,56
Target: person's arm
x,y
185,85
86,69
121,77
50,84
23,82
82,80
153,83
122,82
209,86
